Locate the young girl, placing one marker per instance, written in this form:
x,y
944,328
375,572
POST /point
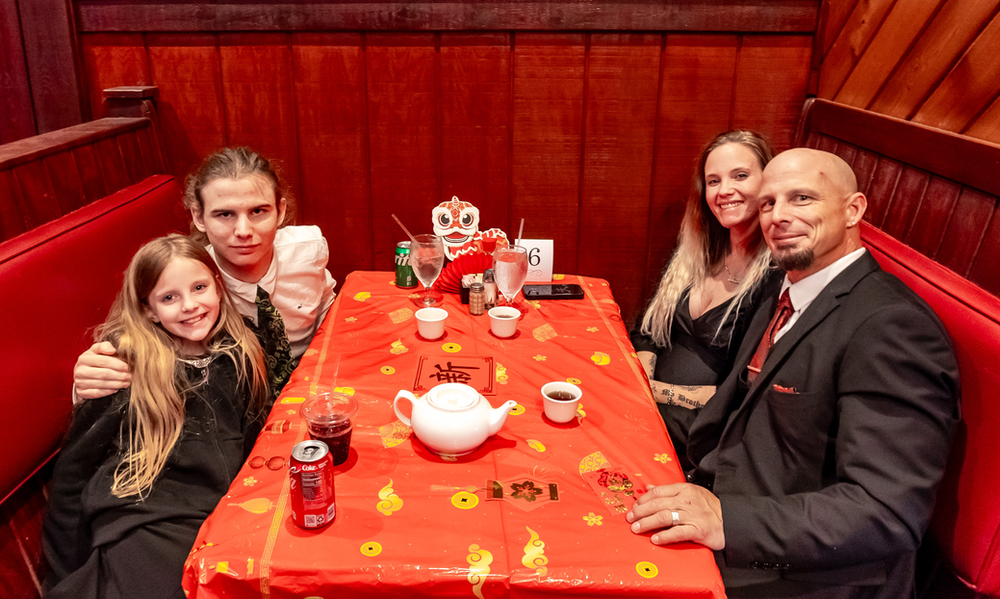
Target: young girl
x,y
141,469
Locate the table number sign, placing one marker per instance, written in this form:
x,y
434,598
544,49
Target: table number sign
x,y
539,259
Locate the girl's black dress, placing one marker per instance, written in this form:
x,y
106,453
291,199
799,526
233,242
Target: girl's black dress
x,y
99,545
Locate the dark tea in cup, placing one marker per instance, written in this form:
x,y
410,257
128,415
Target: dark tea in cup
x,y
337,436
329,415
561,395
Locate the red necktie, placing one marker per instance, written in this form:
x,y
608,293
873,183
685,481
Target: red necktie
x,y
780,319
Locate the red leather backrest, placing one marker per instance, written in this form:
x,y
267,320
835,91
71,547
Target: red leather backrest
x,y
58,282
966,522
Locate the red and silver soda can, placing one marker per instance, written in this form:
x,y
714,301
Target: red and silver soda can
x,y
311,472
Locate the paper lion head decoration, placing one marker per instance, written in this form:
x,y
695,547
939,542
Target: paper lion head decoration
x,y
457,223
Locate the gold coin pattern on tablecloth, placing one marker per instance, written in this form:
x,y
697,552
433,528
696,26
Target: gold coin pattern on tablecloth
x,y
401,315
371,549
517,410
647,569
544,333
464,500
534,554
451,348
394,433
397,347
387,370
479,568
574,380
390,502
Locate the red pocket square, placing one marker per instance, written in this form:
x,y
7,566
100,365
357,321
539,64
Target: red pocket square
x,y
781,389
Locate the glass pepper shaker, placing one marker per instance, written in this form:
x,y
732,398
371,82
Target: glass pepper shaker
x,y
489,290
477,299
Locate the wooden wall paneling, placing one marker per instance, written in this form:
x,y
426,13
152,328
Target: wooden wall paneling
x,y
622,88
190,113
864,165
475,127
906,201
771,79
827,144
88,168
969,88
17,116
903,25
402,126
882,188
695,104
984,271
113,167
149,146
847,152
111,60
837,13
258,95
937,50
851,42
65,179
547,131
931,220
12,218
987,125
38,200
969,221
49,48
135,166
329,79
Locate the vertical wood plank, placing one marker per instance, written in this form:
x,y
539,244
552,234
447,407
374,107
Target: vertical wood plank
x,y
695,105
66,185
38,200
838,11
475,117
330,107
548,123
772,75
135,162
403,136
905,21
966,229
13,221
906,201
17,115
150,148
112,164
936,51
258,97
622,87
864,166
929,223
111,60
860,27
984,271
969,88
49,47
88,169
192,121
882,189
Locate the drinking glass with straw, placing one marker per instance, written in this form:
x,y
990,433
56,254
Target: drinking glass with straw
x,y
427,260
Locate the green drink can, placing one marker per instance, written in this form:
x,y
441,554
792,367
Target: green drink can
x,y
404,272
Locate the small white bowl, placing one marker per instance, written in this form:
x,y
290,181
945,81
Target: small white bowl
x,y
503,321
560,400
430,322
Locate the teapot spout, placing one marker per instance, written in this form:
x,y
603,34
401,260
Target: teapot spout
x,y
499,415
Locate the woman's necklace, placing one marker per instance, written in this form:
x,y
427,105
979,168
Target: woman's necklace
x,y
201,364
732,277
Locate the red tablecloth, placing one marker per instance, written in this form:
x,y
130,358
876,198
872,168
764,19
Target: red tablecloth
x,y
412,523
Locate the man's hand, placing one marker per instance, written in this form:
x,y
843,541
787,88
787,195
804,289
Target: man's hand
x,y
699,515
98,373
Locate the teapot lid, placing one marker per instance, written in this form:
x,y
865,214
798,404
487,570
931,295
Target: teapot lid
x,y
453,396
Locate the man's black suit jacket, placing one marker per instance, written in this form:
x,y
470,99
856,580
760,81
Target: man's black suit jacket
x,y
827,465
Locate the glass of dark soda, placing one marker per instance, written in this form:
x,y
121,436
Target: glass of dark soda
x,y
330,418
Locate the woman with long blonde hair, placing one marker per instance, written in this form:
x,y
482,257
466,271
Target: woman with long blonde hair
x,y
696,320
141,469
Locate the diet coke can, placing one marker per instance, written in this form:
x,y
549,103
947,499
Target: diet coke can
x,y
311,472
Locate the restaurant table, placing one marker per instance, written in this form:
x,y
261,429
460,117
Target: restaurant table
x,y
538,510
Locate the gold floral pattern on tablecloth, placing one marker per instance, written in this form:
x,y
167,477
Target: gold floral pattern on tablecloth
x,y
593,462
534,554
544,333
401,315
593,519
394,433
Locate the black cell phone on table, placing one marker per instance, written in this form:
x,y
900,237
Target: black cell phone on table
x,y
553,291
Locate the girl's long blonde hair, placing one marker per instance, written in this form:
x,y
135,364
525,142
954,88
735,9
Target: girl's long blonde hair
x,y
156,403
703,245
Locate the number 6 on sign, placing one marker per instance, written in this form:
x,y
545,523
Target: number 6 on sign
x,y
539,259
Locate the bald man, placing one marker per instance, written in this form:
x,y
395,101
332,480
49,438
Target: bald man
x,y
818,459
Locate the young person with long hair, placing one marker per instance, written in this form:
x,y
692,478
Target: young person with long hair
x,y
696,320
241,209
141,469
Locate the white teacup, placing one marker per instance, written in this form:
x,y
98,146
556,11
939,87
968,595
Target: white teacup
x,y
503,321
430,322
560,400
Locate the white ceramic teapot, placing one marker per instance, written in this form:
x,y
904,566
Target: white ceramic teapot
x,y
452,419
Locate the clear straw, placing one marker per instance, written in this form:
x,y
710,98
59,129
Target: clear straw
x,y
410,235
517,241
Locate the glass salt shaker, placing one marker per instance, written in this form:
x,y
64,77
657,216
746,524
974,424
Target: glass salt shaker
x,y
477,299
489,290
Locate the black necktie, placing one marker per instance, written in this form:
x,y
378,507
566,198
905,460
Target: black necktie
x,y
270,332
